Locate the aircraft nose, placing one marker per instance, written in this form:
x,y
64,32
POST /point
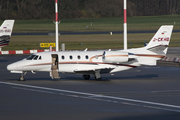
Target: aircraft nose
x,y
11,67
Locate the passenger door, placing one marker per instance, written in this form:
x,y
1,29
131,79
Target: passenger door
x,y
54,66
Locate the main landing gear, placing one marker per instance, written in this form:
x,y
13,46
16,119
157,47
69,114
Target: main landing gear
x,y
98,79
87,77
97,75
22,76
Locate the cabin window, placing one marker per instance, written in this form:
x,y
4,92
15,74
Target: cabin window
x,y
79,57
87,57
63,57
70,57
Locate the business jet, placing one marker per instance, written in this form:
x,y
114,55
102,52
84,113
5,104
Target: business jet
x,y
5,32
95,62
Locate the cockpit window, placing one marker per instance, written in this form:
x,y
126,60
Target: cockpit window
x,y
30,57
33,57
36,57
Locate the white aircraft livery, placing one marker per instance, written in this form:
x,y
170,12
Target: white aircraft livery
x,y
5,32
95,62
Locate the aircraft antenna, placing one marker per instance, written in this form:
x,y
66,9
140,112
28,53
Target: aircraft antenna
x,y
125,25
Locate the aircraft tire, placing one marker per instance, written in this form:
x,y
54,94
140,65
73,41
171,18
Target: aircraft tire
x,y
98,79
21,78
86,77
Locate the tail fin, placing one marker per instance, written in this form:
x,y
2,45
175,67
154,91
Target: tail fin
x,y
5,32
160,42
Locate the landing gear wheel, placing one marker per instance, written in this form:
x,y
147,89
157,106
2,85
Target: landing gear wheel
x,y
21,78
86,77
97,75
98,79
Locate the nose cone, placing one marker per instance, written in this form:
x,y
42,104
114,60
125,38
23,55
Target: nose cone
x,y
16,66
11,67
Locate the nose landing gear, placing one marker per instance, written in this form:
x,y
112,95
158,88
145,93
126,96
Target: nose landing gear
x,y
22,76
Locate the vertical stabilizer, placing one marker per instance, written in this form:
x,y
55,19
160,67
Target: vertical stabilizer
x,y
161,39
5,32
7,27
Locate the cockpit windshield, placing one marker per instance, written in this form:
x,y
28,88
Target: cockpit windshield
x,y
36,57
30,57
33,57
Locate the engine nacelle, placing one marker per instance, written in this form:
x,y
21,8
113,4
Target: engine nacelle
x,y
115,57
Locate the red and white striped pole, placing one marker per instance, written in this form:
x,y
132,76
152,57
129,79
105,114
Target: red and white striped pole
x,y
125,25
56,24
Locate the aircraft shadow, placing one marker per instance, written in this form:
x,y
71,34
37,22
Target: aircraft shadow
x,y
80,78
147,76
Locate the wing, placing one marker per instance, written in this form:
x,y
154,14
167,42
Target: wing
x,y
92,71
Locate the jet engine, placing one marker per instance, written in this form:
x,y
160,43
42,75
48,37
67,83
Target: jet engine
x,y
115,57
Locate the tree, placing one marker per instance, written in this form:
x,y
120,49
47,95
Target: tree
x,y
44,9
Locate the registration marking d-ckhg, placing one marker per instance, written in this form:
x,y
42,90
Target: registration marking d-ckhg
x,y
120,100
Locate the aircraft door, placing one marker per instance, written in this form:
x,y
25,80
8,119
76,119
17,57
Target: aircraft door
x,y
54,66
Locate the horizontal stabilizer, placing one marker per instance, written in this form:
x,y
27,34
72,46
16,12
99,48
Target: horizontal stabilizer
x,y
158,49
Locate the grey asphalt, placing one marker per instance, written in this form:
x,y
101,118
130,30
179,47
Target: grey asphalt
x,y
146,93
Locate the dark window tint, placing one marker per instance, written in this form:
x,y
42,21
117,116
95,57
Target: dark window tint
x,y
30,57
70,57
36,57
79,57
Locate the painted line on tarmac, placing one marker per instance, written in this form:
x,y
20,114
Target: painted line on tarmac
x,y
165,91
105,98
98,99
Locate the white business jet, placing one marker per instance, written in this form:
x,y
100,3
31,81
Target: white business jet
x,y
5,32
95,62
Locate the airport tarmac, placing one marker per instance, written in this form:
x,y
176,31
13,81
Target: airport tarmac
x,y
146,93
